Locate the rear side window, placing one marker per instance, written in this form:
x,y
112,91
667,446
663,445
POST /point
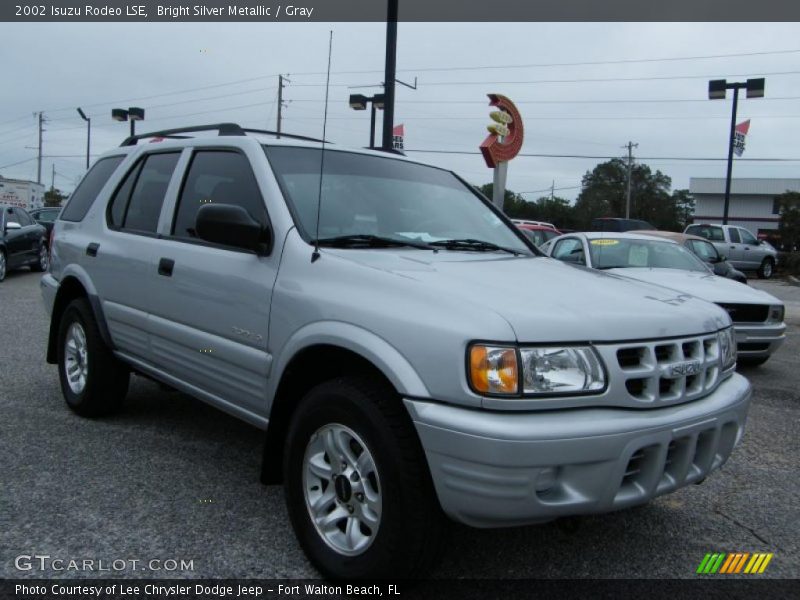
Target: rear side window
x,y
82,198
23,218
136,206
734,233
220,177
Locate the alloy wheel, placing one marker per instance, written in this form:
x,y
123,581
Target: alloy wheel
x,y
342,489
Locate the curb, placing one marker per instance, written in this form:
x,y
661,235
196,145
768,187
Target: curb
x,y
793,280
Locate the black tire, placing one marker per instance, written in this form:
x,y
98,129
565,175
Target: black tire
x,y
752,362
3,265
767,269
106,378
43,260
411,533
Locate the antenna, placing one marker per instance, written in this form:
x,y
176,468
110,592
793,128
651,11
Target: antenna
x,y
315,254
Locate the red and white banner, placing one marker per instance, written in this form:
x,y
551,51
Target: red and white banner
x,y
739,135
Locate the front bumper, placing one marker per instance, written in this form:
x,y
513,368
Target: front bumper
x,y
758,340
495,469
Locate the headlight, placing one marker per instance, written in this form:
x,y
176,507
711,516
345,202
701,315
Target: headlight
x,y
561,370
775,313
493,369
727,348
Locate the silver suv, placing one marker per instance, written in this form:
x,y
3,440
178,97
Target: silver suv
x,y
408,353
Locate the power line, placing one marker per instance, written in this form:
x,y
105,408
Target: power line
x,y
565,64
606,157
434,69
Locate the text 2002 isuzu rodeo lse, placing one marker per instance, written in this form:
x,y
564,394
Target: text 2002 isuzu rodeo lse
x,y
409,354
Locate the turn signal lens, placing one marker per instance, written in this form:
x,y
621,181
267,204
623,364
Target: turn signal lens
x,y
493,369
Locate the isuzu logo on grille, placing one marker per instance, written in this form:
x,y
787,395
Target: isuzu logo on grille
x,y
685,369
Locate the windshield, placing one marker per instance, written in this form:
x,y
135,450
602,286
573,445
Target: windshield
x,y
615,253
374,196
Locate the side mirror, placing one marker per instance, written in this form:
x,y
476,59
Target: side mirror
x,y
231,225
13,225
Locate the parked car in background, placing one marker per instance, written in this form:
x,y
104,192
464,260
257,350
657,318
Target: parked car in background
x,y
757,316
408,352
741,247
538,234
615,224
46,217
22,241
705,251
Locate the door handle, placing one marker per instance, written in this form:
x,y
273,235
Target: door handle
x,y
733,247
91,249
165,266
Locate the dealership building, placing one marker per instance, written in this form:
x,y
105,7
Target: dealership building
x,y
752,203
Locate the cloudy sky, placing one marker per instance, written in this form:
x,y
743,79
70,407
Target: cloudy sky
x,y
583,89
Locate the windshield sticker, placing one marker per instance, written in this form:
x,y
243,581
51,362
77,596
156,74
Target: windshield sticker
x,y
604,242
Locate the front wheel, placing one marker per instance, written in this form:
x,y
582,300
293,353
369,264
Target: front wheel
x,y
358,489
93,381
767,269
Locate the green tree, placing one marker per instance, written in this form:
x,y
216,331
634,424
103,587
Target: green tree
x,y
684,208
604,188
514,205
54,197
789,225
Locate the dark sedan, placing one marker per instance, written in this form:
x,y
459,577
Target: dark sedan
x,y
46,217
22,241
705,251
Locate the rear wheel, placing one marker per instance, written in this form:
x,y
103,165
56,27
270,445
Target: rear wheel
x,y
358,489
42,261
767,269
93,381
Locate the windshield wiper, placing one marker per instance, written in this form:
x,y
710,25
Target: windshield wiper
x,y
361,240
471,244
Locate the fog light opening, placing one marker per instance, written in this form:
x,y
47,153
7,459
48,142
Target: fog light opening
x,y
546,479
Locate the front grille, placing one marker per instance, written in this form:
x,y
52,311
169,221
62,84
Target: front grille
x,y
746,313
670,371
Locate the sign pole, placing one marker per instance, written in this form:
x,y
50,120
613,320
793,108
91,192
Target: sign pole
x,y
499,184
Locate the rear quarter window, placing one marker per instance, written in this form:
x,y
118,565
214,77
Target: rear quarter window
x,y
84,195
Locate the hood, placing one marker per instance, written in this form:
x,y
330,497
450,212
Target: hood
x,y
702,285
541,298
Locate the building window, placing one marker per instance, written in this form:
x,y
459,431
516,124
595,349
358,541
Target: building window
x,y
776,207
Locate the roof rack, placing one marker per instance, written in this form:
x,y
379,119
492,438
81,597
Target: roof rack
x,y
221,128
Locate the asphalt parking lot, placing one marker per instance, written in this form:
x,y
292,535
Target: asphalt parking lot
x,y
171,478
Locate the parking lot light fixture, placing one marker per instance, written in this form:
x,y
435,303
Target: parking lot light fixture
x,y
717,90
133,114
376,102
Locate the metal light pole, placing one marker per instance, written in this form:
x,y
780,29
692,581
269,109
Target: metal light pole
x,y
376,102
390,74
88,135
717,90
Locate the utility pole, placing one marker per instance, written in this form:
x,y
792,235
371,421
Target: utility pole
x,y
390,74
552,190
630,146
53,178
39,159
281,79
